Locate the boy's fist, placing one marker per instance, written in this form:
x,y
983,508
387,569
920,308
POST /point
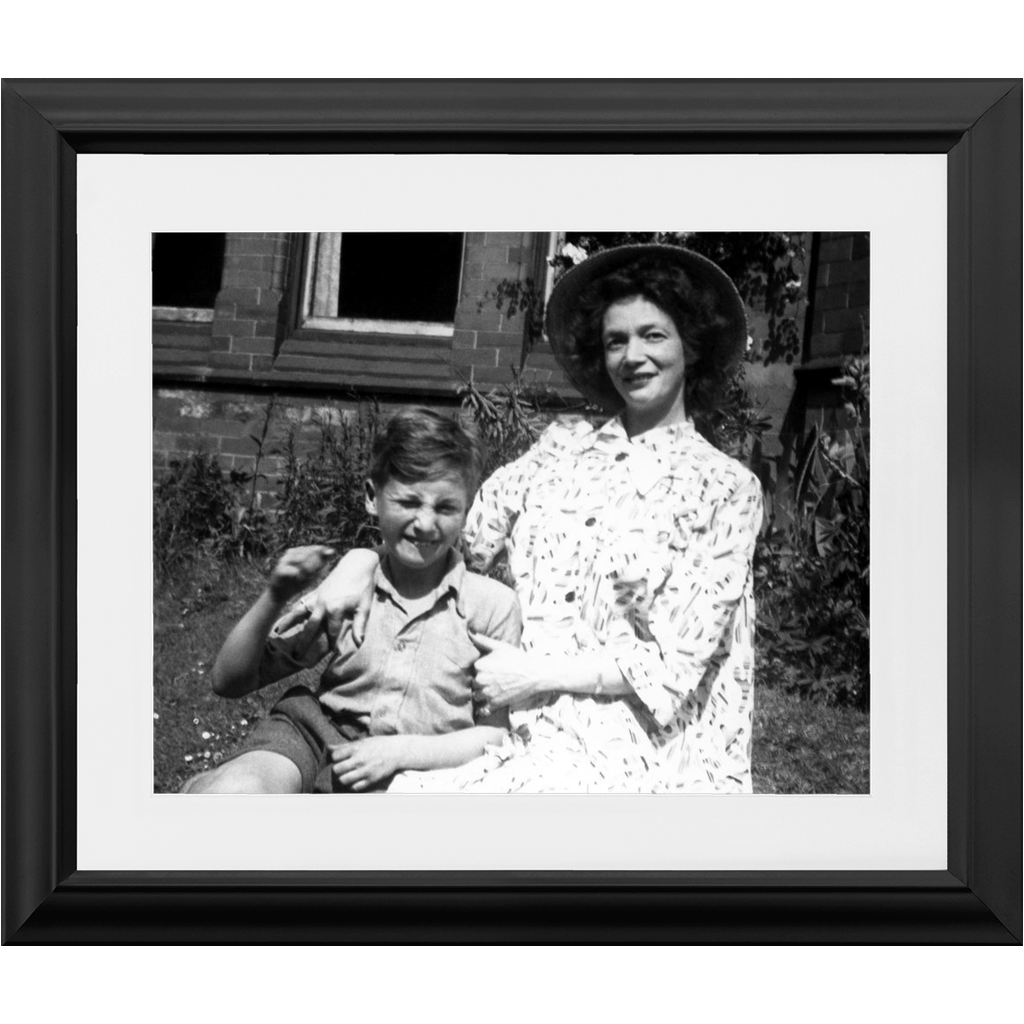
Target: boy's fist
x,y
296,568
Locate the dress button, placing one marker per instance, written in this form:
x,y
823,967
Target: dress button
x,y
590,521
621,456
571,596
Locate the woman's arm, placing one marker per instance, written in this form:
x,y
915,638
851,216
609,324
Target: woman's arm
x,y
700,607
507,677
346,592
361,763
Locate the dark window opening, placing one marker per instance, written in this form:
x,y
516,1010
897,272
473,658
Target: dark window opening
x,y
400,276
187,269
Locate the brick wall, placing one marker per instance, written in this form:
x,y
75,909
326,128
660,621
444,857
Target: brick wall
x,y
255,339
224,422
250,313
838,327
489,342
213,381
841,300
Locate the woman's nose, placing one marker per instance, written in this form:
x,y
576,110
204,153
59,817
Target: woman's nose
x,y
634,350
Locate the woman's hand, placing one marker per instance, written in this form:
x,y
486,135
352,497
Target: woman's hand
x,y
506,677
346,592
359,764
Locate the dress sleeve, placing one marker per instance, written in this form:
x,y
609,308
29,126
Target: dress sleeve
x,y
500,500
698,605
286,652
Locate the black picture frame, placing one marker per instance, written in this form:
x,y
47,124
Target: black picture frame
x,y
976,123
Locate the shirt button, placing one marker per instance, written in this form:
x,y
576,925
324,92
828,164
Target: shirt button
x,y
400,646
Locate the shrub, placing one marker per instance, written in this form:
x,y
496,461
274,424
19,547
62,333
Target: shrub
x,y
508,418
321,494
202,511
811,568
192,512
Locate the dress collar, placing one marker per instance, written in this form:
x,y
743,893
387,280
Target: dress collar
x,y
646,455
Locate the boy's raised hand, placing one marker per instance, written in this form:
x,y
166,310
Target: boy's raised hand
x,y
297,568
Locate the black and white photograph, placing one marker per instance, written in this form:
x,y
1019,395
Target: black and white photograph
x,y
511,512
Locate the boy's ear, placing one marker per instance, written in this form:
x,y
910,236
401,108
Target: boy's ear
x,y
371,498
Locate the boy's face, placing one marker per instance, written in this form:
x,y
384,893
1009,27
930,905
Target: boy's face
x,y
420,520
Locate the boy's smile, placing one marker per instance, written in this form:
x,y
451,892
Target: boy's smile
x,y
420,521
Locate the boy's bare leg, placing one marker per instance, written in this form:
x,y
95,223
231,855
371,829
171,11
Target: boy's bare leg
x,y
258,771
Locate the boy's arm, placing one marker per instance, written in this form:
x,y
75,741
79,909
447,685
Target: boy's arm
x,y
236,671
359,764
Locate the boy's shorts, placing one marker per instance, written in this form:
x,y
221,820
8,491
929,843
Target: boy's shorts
x,y
299,729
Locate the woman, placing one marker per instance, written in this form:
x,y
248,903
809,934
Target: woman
x,y
630,545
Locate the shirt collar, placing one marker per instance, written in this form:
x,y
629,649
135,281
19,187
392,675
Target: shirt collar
x,y
451,582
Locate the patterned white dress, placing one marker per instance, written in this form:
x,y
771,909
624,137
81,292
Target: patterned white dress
x,y
641,548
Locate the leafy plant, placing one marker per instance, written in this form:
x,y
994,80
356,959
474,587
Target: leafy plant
x,y
204,511
507,416
192,511
812,565
322,492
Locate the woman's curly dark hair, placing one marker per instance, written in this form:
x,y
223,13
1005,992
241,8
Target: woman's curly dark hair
x,y
693,310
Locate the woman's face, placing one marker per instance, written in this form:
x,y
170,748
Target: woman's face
x,y
643,354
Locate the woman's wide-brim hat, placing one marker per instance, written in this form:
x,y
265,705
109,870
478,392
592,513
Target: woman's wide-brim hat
x,y
720,351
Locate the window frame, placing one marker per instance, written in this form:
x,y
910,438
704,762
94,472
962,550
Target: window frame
x,y
314,271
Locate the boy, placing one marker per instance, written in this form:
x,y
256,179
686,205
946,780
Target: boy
x,y
402,699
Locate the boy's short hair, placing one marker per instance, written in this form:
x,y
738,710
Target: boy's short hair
x,y
420,444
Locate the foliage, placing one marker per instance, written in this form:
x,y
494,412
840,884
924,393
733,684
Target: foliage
x,y
812,565
734,426
322,493
205,514
200,512
507,416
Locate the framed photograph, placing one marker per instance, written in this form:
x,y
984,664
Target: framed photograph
x,y
102,179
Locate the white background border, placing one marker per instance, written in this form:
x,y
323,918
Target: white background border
x,y
901,200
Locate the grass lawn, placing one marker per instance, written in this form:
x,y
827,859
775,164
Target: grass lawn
x,y
799,746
